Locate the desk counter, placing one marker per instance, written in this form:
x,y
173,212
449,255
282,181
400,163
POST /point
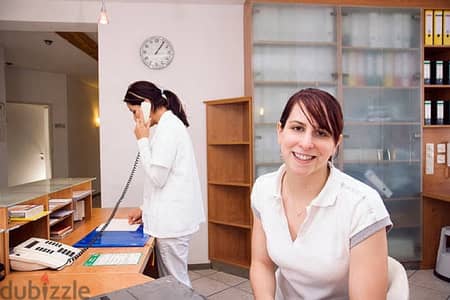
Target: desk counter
x,y
79,281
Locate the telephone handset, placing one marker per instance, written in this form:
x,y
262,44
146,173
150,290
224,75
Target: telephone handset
x,y
37,253
146,108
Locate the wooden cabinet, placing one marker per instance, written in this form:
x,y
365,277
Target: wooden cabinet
x,y
230,169
13,233
436,182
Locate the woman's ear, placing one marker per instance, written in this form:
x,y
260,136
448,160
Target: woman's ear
x,y
279,130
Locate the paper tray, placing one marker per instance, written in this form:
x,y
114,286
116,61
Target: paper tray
x,y
115,239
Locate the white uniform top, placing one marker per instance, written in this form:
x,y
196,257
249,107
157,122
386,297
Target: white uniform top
x,y
316,264
174,207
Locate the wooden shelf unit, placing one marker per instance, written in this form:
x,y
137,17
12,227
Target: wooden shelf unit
x,y
436,186
230,178
13,233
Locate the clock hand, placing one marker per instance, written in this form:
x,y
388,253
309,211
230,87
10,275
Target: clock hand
x,y
159,48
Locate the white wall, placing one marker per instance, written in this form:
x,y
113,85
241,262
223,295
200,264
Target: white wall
x,y
3,145
27,86
83,135
208,64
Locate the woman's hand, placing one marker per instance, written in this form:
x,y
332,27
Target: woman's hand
x,y
135,216
142,129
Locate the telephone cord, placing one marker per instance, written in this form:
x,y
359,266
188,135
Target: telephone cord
x,y
111,216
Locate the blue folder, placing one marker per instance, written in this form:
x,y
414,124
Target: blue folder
x,y
115,239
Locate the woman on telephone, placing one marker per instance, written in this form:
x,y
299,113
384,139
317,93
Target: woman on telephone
x,y
172,208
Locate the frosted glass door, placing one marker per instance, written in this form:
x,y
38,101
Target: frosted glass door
x,y
381,101
294,47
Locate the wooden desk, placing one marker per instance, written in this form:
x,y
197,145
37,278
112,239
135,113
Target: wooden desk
x,y
436,214
80,281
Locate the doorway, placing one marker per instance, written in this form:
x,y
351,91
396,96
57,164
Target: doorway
x,y
28,134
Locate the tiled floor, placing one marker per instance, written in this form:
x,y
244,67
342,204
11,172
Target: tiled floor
x,y
218,285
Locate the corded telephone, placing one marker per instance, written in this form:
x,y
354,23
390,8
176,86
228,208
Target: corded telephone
x,y
37,254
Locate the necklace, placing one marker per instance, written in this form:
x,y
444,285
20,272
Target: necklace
x,y
298,212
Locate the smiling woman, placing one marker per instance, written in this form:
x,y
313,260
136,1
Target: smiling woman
x,y
316,226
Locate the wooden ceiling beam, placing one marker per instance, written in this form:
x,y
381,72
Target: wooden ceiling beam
x,y
82,41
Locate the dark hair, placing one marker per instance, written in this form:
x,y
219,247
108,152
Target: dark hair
x,y
138,91
320,108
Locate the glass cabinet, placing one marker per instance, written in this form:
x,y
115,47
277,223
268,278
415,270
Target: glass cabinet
x,y
290,52
369,58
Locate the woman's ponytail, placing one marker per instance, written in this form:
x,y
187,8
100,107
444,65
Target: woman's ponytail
x,y
175,105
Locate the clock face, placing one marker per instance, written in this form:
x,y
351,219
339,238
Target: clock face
x,y
157,52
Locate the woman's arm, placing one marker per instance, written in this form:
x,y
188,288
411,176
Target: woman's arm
x,y
262,269
368,279
157,174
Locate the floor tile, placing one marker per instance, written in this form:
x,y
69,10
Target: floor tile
x,y
425,278
245,286
194,276
205,272
206,286
422,293
227,278
231,293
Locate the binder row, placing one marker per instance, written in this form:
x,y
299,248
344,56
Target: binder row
x,y
437,27
436,72
437,112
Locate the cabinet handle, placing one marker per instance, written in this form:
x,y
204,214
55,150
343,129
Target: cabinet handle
x,y
346,136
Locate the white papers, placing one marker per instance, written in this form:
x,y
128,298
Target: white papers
x,y
429,159
101,259
119,225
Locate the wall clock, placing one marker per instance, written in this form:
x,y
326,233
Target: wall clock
x,y
157,52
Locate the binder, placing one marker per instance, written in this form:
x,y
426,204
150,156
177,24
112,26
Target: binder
x,y
439,76
426,72
446,29
437,27
428,27
427,112
115,239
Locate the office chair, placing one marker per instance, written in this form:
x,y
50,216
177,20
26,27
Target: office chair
x,y
398,287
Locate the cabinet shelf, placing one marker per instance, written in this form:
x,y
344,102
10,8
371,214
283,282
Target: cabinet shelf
x,y
380,123
381,161
437,47
381,87
294,83
224,143
232,224
293,43
437,86
384,49
229,174
229,183
436,126
59,220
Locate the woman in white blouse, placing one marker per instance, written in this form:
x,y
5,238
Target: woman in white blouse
x,y
318,233
172,207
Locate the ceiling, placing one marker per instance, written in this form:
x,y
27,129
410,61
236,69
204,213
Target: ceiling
x,y
27,49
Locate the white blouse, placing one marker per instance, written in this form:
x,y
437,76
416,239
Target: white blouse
x,y
316,264
172,205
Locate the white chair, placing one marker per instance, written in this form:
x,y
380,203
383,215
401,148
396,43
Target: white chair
x,y
398,287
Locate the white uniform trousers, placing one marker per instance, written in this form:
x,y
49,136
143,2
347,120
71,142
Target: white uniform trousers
x,y
172,257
